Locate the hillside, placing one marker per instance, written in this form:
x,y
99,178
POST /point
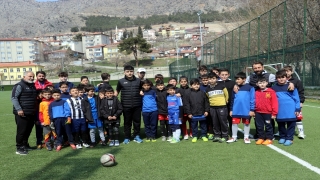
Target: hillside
x,y
27,18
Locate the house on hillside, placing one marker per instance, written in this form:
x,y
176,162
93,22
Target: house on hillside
x,y
95,52
15,70
94,39
111,51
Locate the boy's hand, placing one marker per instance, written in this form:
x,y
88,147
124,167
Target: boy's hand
x,y
190,116
109,117
251,113
178,94
68,120
236,88
301,105
115,93
206,114
114,117
291,86
297,113
230,113
141,93
273,117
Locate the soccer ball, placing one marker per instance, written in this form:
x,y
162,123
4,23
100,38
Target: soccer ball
x,y
107,160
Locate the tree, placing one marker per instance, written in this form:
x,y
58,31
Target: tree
x,y
133,45
74,29
140,32
147,26
125,34
78,37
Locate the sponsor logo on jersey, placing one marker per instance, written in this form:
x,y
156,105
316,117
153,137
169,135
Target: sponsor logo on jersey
x,y
215,92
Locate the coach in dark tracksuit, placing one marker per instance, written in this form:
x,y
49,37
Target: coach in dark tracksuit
x,y
24,97
131,100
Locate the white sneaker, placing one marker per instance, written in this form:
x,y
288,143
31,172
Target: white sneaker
x,y
186,137
277,134
301,135
85,145
78,146
169,139
164,138
231,140
247,141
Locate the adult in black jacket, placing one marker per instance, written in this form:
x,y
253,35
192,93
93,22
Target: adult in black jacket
x,y
24,99
110,110
197,108
131,100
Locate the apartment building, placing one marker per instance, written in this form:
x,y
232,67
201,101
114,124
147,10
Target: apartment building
x,y
94,39
14,70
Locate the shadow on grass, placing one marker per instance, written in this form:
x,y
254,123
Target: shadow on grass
x,y
76,164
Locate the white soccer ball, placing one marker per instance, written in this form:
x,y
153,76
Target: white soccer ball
x,y
107,160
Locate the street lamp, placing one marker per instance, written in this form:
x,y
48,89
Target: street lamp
x,y
201,53
177,59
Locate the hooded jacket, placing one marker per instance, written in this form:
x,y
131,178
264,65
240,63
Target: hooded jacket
x,y
44,116
196,103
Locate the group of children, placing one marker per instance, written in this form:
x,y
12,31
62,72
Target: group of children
x,y
211,102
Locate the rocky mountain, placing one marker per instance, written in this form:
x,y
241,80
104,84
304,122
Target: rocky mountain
x,y
28,18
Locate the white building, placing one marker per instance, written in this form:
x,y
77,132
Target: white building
x,y
74,45
94,39
95,52
149,34
19,49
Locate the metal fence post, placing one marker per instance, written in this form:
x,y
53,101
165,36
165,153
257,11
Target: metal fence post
x,y
304,41
248,49
269,36
258,38
284,32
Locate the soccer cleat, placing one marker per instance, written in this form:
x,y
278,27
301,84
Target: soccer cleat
x,y
216,139
247,141
210,137
267,142
185,137
169,139
281,141
137,139
85,145
111,143
116,143
288,143
153,140
174,141
148,139
164,138
21,151
190,136
93,144
231,140
48,146
277,134
259,142
126,141
301,135
39,147
72,146
222,140
59,148
205,139
194,139
78,146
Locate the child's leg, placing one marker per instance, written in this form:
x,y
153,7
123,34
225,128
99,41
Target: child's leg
x,y
164,131
215,123
76,130
184,125
234,127
68,131
153,124
194,127
101,134
110,131
58,128
47,135
246,128
268,126
300,129
190,129
92,135
127,121
291,125
147,124
259,122
136,118
168,128
203,127
83,131
222,114
282,130
116,126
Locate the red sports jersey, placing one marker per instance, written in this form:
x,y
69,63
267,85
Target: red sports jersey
x,y
266,102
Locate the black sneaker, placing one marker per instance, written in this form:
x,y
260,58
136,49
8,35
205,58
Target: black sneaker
x,y
93,144
216,139
21,151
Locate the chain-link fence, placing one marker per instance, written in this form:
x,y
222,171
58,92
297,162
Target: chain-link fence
x,y
289,34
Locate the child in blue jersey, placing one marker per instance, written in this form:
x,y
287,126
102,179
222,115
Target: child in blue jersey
x,y
242,107
149,110
90,106
59,112
289,108
175,112
63,86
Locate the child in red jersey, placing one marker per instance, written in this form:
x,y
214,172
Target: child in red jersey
x,y
265,111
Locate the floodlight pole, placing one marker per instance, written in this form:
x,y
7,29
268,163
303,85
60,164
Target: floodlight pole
x,y
177,59
201,53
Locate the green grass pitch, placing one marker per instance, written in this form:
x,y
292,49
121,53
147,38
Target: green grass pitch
x,y
161,160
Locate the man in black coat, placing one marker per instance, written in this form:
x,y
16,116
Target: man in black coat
x,y
24,97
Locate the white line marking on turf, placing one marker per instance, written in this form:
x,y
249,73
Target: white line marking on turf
x,y
311,106
292,157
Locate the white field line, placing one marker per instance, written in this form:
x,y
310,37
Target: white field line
x,y
311,106
292,157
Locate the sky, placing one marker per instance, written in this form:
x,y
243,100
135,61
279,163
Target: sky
x,y
45,0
